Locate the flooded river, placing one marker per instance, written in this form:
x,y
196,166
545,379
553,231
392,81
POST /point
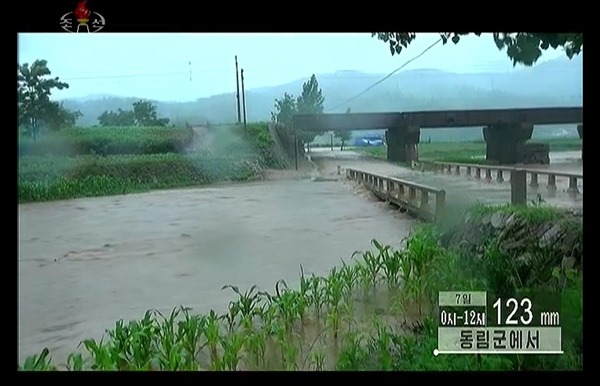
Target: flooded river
x,y
85,263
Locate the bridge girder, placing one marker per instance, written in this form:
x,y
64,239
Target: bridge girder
x,y
437,119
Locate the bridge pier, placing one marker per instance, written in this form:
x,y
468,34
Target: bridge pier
x,y
504,141
402,143
580,132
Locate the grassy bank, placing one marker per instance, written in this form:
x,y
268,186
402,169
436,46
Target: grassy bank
x,y
104,161
103,141
469,152
378,312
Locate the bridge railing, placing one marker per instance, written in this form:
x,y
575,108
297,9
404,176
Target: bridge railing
x,y
415,198
487,172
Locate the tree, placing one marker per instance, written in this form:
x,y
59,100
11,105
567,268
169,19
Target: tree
x,y
343,135
59,117
522,48
145,114
285,109
119,118
310,102
34,107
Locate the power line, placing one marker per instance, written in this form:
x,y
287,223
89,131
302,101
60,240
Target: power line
x,y
387,76
186,73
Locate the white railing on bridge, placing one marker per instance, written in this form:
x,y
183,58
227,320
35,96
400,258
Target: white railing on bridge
x,y
413,197
475,170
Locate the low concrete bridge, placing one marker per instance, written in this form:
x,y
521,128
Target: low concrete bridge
x,y
504,130
418,189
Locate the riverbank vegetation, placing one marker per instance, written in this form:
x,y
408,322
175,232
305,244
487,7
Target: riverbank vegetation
x,y
468,152
376,311
102,161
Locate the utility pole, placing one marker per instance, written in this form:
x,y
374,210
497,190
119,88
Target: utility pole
x,y
243,98
237,90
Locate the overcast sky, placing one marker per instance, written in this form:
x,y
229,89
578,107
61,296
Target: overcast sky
x,y
158,66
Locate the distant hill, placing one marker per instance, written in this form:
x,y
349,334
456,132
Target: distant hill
x,y
554,83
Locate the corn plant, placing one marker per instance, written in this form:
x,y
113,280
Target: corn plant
x,y
119,346
352,355
349,276
289,348
381,343
212,334
189,333
334,288
304,282
232,346
335,292
317,295
256,343
291,351
130,346
170,349
391,265
39,362
368,269
102,357
75,362
247,301
333,321
285,302
303,296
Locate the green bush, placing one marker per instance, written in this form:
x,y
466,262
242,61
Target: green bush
x,y
109,141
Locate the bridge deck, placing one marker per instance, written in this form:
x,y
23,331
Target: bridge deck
x,y
461,190
438,119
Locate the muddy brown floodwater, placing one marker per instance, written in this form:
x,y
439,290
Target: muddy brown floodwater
x,y
86,263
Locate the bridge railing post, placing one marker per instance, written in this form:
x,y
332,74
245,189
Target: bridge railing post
x,y
518,187
551,184
500,175
488,175
424,206
573,190
534,181
440,204
412,195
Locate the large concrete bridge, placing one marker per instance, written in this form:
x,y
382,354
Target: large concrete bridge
x,y
505,130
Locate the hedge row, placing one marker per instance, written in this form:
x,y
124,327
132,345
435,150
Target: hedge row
x,y
109,141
